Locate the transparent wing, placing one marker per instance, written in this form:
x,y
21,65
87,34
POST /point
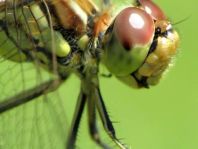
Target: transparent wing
x,y
41,123
23,33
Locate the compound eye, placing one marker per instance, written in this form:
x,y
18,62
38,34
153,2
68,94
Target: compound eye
x,y
151,8
134,27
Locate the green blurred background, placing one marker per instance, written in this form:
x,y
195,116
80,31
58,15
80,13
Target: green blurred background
x,y
162,117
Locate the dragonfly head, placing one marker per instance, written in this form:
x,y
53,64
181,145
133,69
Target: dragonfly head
x,y
140,44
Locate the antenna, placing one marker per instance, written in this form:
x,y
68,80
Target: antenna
x,y
181,21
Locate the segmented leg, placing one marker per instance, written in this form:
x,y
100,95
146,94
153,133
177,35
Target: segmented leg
x,y
92,120
76,120
106,120
29,95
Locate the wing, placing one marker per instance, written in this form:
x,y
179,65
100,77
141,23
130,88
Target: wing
x,y
27,49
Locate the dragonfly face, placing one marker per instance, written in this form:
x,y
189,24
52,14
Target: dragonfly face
x,y
74,36
142,45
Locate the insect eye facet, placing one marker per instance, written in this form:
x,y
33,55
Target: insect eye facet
x,y
128,42
133,27
151,8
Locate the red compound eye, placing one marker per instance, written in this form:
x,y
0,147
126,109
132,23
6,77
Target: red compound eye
x,y
133,26
151,8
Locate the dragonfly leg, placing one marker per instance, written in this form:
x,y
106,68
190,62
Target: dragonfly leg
x,y
29,95
92,121
108,126
76,120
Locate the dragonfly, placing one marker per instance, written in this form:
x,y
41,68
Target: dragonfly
x,y
136,43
